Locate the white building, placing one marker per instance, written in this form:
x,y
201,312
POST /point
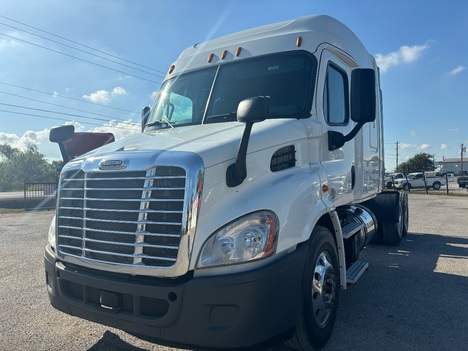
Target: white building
x,y
455,166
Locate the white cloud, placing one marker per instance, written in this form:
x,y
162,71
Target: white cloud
x,y
457,70
406,146
100,96
424,147
7,44
119,91
119,129
51,150
405,54
413,133
104,96
444,147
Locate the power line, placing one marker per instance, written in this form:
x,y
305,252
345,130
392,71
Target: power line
x,y
62,106
78,58
80,44
86,52
60,113
67,97
61,119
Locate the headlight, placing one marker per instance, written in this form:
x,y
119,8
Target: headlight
x,y
51,235
248,238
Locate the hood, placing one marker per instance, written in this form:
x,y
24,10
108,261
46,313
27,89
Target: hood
x,y
215,143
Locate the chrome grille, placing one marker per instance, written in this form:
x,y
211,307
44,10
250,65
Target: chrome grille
x,y
122,217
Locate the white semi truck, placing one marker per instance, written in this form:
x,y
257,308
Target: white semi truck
x,y
239,213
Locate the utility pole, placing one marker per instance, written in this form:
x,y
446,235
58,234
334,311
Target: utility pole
x,y
396,169
462,150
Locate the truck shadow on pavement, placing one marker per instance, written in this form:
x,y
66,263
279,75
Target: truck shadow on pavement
x,y
111,341
413,297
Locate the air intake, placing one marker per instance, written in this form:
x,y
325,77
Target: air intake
x,y
283,158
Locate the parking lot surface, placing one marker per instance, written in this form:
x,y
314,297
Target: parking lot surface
x,y
413,297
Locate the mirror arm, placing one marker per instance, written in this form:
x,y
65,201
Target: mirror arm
x,y
337,139
237,172
64,153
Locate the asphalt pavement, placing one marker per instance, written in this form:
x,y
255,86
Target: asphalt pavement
x,y
413,297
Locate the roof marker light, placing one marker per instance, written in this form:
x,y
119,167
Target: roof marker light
x,y
223,54
299,42
210,57
238,51
171,69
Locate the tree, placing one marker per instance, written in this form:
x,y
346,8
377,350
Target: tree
x,y
17,166
419,163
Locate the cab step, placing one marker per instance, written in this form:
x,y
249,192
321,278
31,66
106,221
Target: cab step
x,y
354,272
350,229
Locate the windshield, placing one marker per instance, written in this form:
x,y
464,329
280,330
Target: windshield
x,y
212,95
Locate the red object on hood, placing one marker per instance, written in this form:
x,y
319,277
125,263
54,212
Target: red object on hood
x,y
85,142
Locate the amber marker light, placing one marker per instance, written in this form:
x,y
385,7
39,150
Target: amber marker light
x,y
171,69
325,188
238,51
223,54
299,42
210,57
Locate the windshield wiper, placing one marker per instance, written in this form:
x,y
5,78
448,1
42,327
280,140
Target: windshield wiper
x,y
222,117
159,122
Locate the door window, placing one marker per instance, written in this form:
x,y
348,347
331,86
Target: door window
x,y
335,97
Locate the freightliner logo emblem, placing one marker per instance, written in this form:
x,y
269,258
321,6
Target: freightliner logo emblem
x,y
112,164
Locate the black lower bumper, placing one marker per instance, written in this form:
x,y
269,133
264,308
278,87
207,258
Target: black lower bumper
x,y
226,311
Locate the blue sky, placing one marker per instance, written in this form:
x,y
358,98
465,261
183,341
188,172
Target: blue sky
x,y
61,60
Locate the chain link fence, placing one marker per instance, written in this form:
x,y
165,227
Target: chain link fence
x,y
423,183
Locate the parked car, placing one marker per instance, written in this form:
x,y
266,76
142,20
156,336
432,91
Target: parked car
x,y
462,182
419,180
391,178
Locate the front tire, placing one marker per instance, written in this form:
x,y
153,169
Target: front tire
x,y
407,186
319,296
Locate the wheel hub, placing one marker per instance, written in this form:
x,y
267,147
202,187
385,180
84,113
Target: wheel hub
x,y
323,289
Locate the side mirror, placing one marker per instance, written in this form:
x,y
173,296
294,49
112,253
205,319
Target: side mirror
x,y
144,117
75,144
253,110
61,134
363,95
249,111
363,105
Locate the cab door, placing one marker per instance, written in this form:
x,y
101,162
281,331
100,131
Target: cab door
x,y
333,110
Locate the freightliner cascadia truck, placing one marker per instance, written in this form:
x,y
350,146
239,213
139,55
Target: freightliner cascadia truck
x,y
240,211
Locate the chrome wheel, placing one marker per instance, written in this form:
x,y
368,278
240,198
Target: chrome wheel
x,y
323,289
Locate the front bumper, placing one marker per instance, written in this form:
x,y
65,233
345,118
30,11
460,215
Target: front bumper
x,y
224,311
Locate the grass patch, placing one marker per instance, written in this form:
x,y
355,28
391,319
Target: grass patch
x,y
10,210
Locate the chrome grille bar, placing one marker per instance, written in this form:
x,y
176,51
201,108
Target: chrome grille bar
x,y
131,218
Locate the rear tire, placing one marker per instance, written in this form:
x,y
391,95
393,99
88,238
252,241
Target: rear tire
x,y
405,213
436,185
393,232
319,296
